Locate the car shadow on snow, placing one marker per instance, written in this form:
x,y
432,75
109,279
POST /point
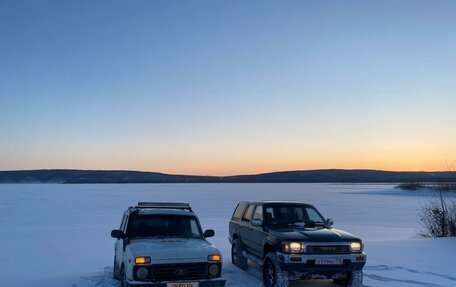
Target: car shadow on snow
x,y
256,271
99,280
234,276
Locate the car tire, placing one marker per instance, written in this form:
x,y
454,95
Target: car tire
x,y
354,279
114,271
123,279
236,255
273,276
341,282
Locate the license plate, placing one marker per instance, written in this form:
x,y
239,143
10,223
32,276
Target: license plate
x,y
183,284
328,261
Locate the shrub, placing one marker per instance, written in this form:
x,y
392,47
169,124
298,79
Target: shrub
x,y
411,185
438,217
445,187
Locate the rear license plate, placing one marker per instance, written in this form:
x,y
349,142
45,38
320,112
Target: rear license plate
x,y
183,284
328,261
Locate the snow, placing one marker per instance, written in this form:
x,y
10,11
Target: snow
x,y
59,235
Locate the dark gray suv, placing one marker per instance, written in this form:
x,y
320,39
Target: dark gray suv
x,y
292,241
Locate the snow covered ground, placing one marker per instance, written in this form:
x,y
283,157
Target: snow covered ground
x,y
59,235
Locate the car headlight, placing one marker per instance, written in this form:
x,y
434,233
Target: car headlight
x,y
142,273
142,260
293,247
356,247
214,257
214,270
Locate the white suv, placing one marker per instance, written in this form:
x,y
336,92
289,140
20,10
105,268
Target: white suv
x,y
162,245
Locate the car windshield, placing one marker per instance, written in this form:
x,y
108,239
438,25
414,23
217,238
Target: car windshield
x,y
165,226
290,214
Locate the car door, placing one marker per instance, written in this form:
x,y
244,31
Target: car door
x,y
245,227
257,234
119,242
252,236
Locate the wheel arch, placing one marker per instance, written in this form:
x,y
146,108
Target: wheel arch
x,y
267,248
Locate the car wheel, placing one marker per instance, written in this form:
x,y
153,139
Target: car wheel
x,y
356,279
236,255
273,276
114,271
123,280
342,282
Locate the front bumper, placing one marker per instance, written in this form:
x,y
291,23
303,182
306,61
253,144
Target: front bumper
x,y
215,282
305,266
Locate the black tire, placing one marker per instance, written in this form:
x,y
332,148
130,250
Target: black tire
x,y
114,271
123,280
236,255
354,279
341,282
273,276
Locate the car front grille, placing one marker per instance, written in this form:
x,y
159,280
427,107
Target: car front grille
x,y
179,271
328,249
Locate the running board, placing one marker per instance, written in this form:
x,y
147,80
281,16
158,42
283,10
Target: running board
x,y
252,258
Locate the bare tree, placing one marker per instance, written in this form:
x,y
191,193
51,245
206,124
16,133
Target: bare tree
x,y
438,216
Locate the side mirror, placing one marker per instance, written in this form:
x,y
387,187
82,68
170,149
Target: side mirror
x,y
116,233
257,222
329,223
209,233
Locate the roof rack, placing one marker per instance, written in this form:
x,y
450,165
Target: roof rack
x,y
171,205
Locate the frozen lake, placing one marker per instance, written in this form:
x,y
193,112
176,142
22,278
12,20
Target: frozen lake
x,y
59,235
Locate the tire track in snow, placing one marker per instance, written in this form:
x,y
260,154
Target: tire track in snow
x,y
382,278
393,268
388,279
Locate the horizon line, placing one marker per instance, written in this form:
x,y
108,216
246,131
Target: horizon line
x,y
224,176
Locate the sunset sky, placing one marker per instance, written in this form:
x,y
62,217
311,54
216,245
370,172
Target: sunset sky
x,y
227,87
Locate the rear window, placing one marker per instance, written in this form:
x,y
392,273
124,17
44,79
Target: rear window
x,y
239,210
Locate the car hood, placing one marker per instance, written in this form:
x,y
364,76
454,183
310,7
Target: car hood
x,y
313,234
172,248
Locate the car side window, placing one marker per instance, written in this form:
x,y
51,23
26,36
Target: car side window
x,y
269,215
122,224
124,228
248,214
258,214
238,211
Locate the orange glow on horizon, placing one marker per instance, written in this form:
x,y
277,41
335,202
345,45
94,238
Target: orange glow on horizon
x,y
231,167
248,158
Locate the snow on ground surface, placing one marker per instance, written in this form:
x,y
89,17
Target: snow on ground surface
x,y
59,235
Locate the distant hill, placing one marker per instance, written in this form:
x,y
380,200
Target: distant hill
x,y
303,176
347,176
96,176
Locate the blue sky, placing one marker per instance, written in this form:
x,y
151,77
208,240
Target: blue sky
x,y
227,87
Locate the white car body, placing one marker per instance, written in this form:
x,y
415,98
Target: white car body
x,y
167,251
